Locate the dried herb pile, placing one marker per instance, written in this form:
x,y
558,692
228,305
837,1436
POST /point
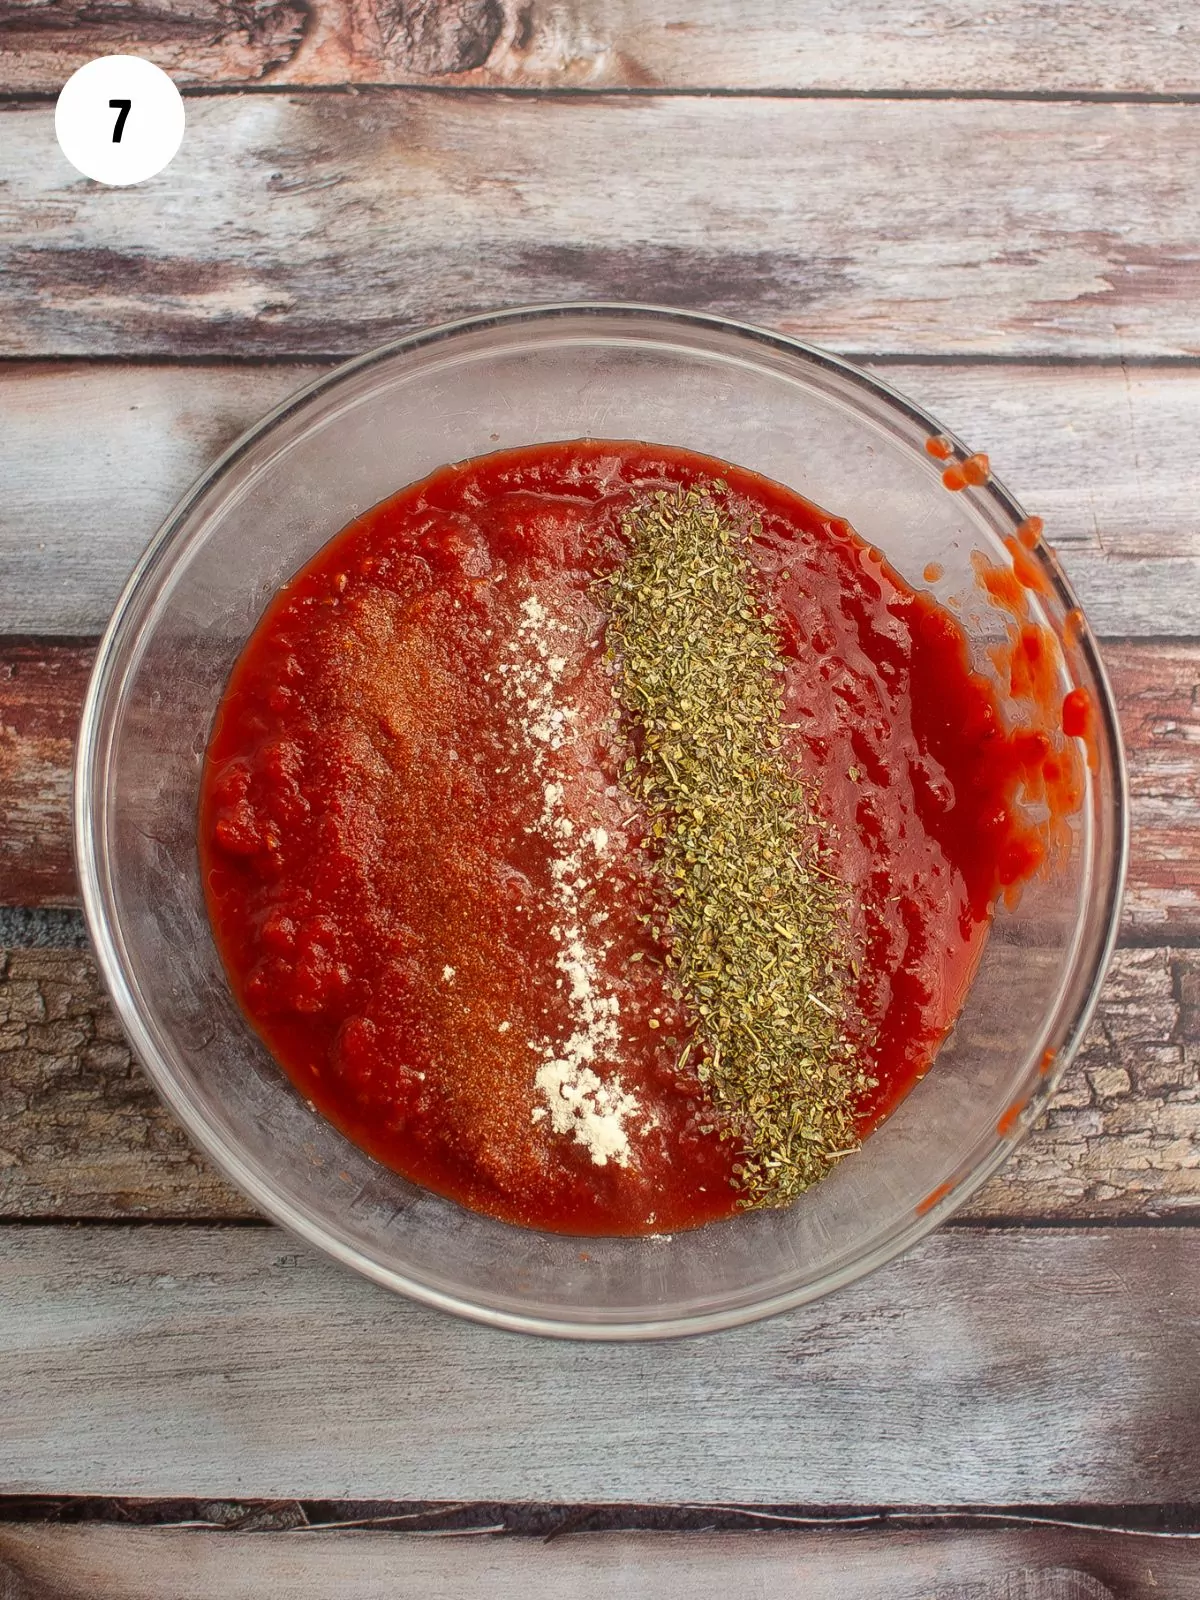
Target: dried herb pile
x,y
756,928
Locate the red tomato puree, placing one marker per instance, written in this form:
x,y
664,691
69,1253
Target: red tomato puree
x,y
386,889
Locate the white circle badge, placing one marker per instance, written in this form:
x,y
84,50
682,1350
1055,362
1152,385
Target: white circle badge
x,y
119,119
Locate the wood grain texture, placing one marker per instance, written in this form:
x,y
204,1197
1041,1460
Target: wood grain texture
x,y
115,1563
1122,1134
1011,46
182,1362
42,42
1158,694
83,1135
297,224
93,457
41,692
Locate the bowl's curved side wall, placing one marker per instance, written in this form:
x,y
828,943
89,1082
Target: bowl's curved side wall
x,y
347,442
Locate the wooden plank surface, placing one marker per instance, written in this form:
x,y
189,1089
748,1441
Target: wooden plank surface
x,y
1158,694
976,45
1105,454
81,502
297,224
115,1563
41,694
1031,1366
82,1134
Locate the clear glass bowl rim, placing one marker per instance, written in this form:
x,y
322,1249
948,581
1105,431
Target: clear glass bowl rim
x,y
89,810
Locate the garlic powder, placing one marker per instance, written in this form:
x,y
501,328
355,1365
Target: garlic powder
x,y
582,1100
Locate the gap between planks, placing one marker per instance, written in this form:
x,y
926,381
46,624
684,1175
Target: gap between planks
x,y
1014,47
585,93
523,1520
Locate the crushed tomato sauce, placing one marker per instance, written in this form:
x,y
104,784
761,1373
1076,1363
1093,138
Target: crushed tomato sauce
x,y
381,881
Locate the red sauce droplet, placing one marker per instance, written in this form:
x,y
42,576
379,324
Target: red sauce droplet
x,y
1034,668
933,572
1079,722
1002,586
932,1198
1047,1062
1010,1118
1076,713
1031,659
1073,628
939,447
1026,568
975,470
1030,531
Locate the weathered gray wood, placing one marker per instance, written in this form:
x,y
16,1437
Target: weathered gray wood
x,y
320,223
766,44
115,1563
1122,1135
1100,452
1028,1366
93,458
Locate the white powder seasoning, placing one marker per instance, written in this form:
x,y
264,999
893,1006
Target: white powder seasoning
x,y
581,1090
582,1104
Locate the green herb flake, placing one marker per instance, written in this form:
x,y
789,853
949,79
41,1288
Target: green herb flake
x,y
757,934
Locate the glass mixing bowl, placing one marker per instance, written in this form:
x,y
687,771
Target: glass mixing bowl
x,y
346,442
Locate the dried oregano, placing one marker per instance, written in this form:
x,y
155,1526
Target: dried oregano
x,y
756,931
